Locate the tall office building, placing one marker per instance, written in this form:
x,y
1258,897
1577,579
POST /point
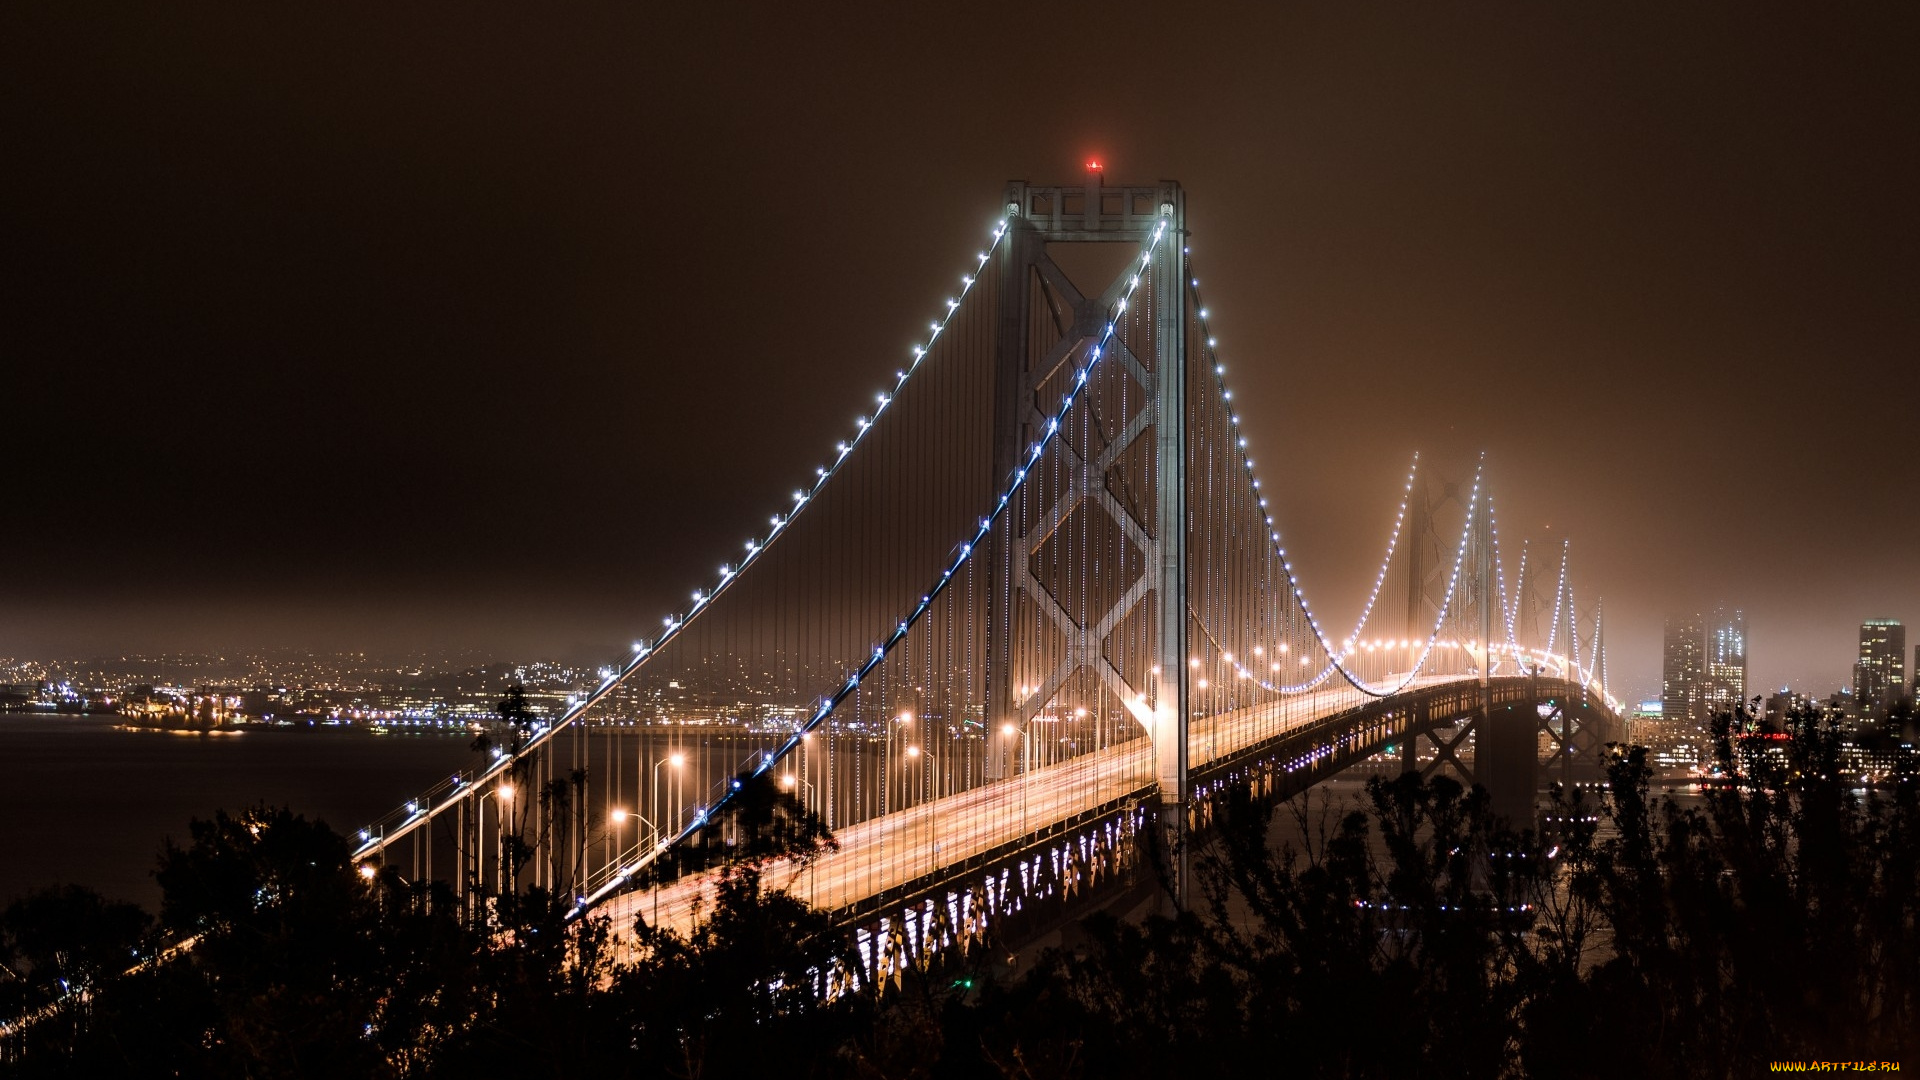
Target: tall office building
x,y
1880,678
1684,671
1783,705
1726,660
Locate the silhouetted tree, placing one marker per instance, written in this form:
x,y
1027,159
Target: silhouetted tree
x,y
517,714
1776,921
556,812
63,941
1406,934
760,823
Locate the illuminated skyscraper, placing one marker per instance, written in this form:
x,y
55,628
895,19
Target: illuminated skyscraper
x,y
1684,670
1880,678
1726,660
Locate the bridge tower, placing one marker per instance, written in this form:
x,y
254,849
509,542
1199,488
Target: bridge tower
x,y
1070,255
1428,555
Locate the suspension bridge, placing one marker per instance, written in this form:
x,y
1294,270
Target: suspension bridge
x,y
1018,628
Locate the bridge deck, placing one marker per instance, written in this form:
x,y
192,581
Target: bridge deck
x,y
892,851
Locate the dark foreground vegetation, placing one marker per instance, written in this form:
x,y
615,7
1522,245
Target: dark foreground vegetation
x,y
1407,936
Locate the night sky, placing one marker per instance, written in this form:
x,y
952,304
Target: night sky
x,y
409,330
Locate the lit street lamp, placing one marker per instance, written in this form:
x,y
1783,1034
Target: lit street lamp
x,y
505,794
914,752
788,781
619,817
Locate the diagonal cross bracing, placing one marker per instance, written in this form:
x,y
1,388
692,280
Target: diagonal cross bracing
x,y
1047,437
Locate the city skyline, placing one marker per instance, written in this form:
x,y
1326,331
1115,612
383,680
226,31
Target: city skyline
x,y
332,314
1703,668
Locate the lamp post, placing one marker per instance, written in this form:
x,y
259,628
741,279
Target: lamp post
x,y
886,758
933,804
932,788
619,817
790,781
615,819
505,794
804,792
806,769
675,759
1009,732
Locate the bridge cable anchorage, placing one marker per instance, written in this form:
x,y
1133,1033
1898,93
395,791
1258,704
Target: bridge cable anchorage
x,y
429,804
1336,660
902,626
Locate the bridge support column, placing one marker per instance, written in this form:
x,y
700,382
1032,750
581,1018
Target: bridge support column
x,y
1011,388
1507,761
1482,594
1171,742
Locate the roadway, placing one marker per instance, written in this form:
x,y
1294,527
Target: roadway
x,y
892,850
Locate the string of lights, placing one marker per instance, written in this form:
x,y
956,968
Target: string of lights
x,y
1335,658
998,670
1393,542
1593,657
426,805
1573,630
1559,592
904,626
1500,575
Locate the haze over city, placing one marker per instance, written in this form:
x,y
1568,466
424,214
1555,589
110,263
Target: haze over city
x,y
399,332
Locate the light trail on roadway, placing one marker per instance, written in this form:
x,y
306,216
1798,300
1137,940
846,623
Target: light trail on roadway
x,y
911,844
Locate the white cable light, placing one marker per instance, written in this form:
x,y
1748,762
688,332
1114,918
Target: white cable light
x,y
1559,590
674,624
1335,661
881,652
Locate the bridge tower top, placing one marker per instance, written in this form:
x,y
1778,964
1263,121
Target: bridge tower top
x,y
1094,212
